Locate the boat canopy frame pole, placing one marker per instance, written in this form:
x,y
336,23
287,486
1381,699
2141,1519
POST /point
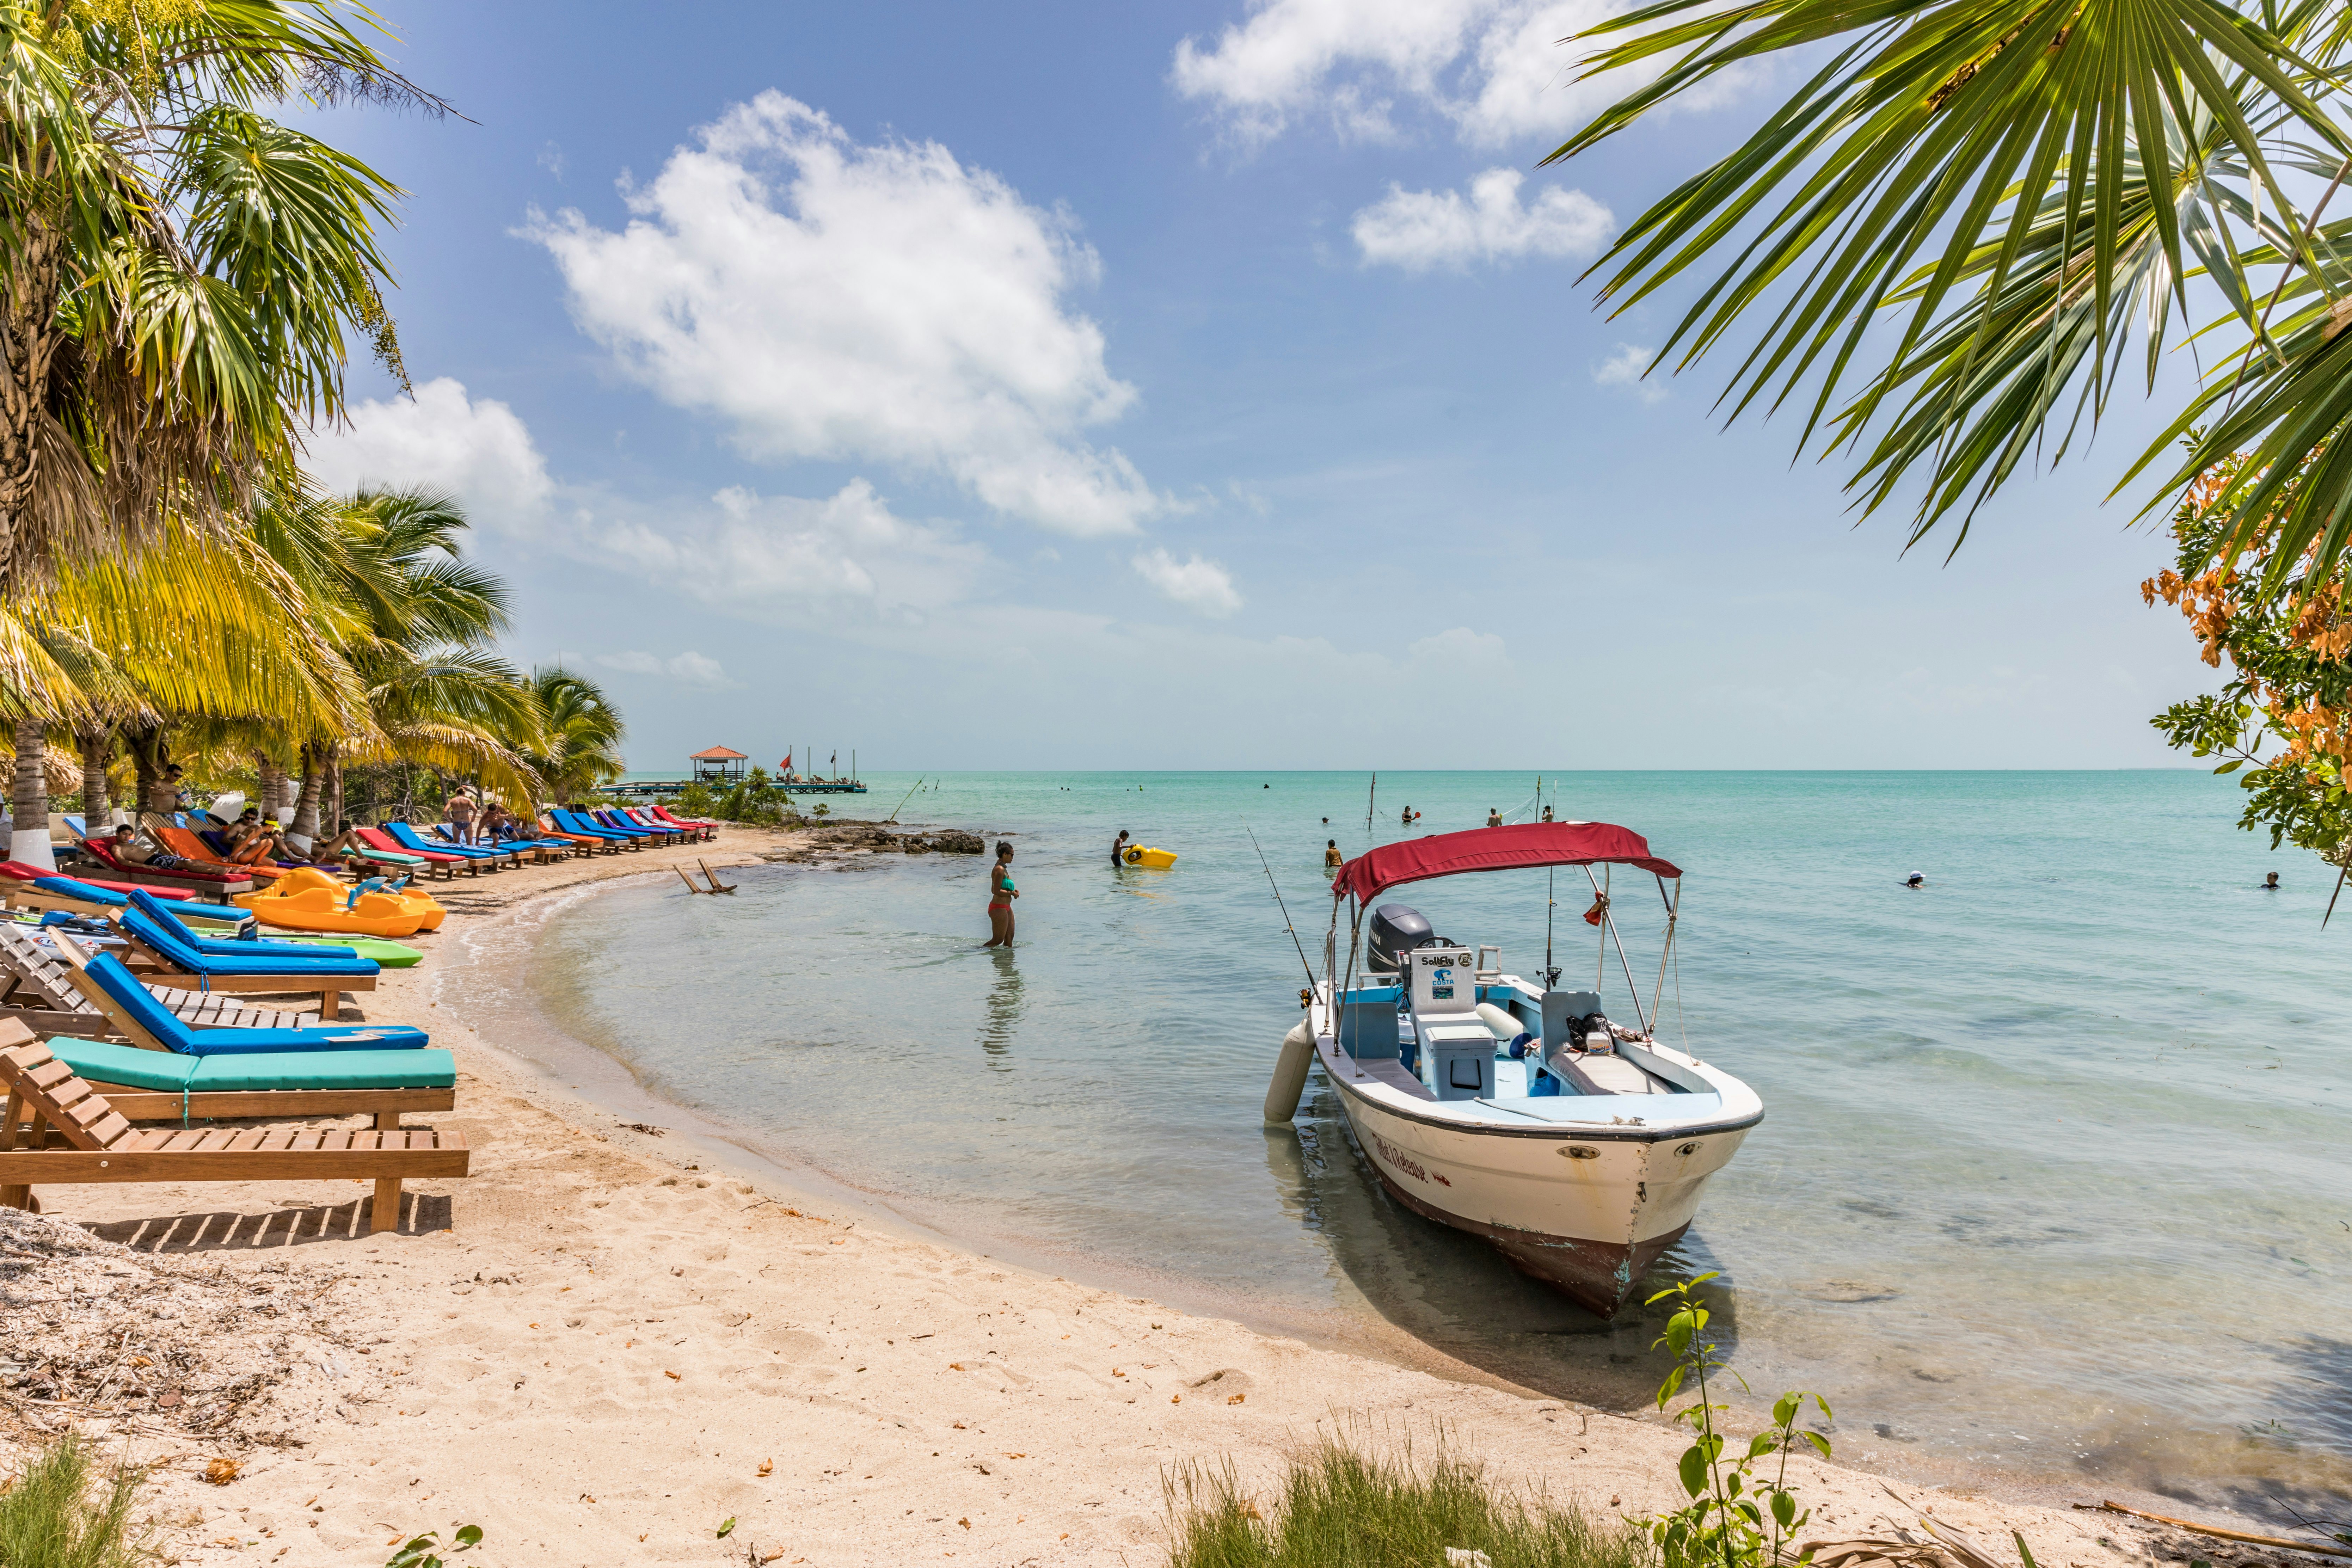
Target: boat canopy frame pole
x,y
1673,909
1610,926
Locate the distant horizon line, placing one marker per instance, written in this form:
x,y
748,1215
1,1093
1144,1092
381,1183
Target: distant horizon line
x,y
1405,773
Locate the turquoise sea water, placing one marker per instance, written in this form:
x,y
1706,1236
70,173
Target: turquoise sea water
x,y
2053,1174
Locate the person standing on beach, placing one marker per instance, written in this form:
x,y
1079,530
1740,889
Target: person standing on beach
x,y
1119,847
1001,894
460,813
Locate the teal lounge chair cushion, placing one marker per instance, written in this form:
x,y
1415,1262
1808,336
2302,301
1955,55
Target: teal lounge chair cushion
x,y
173,1073
126,1065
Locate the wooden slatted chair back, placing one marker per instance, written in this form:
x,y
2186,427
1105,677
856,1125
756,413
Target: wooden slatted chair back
x,y
37,970
39,1082
130,1028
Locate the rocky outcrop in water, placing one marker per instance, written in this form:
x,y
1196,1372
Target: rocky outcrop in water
x,y
873,838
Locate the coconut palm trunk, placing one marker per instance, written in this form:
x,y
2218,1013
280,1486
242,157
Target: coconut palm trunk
x,y
96,752
29,843
303,831
272,773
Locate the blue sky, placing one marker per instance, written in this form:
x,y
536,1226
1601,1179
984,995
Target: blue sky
x,y
1187,386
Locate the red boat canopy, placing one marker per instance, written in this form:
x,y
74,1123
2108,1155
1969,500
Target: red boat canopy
x,y
1494,850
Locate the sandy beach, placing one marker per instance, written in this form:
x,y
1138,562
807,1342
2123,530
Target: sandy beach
x,y
610,1340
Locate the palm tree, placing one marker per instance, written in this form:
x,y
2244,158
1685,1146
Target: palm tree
x,y
416,621
584,733
1943,244
199,623
180,272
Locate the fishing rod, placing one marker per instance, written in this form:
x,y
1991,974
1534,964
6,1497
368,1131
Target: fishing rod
x,y
1283,907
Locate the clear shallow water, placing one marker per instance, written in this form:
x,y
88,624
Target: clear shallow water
x,y
2053,1172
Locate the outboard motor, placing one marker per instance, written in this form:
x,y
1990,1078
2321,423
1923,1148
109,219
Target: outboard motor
x,y
1397,930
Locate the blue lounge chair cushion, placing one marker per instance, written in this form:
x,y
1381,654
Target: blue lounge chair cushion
x,y
160,1071
106,971
67,887
401,833
279,961
572,822
164,915
232,948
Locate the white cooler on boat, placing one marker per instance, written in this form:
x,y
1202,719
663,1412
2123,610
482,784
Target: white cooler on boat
x,y
1457,1048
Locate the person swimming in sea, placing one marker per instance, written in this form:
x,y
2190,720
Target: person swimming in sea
x,y
1001,894
1493,817
1333,859
1914,880
2271,883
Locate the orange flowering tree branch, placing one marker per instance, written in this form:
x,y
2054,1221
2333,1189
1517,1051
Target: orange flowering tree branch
x,y
2283,721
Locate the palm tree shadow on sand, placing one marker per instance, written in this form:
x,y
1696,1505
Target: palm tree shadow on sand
x,y
1455,1293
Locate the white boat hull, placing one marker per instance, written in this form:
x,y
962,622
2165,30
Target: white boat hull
x,y
1586,1206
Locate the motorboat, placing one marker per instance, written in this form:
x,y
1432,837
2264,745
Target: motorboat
x,y
1515,1108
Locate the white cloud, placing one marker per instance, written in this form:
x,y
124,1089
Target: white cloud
x,y
476,449
1496,69
688,668
1462,651
1625,368
1197,584
752,550
850,302
1421,229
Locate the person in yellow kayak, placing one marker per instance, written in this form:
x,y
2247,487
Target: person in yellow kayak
x,y
1001,894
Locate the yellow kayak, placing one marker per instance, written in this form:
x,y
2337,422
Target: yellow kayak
x,y
1150,860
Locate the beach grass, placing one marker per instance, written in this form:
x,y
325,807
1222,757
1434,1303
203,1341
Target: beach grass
x,y
1338,1506
56,1515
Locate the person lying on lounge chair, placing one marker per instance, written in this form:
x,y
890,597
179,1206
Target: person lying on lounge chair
x,y
133,850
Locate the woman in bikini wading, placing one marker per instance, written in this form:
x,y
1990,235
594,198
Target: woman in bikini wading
x,y
1001,894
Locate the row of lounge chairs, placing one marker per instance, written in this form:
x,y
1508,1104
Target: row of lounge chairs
x,y
205,863
100,1042
73,1104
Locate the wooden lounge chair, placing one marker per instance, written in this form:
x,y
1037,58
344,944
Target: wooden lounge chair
x,y
49,1106
36,988
155,954
217,883
190,847
580,841
162,1086
22,887
435,863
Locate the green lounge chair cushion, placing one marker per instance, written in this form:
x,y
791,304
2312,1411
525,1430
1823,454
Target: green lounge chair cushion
x,y
126,1065
169,1071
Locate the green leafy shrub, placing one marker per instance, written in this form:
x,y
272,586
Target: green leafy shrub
x,y
56,1515
1341,1508
1734,1519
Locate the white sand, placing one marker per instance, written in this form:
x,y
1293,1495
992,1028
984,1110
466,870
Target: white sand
x,y
599,1354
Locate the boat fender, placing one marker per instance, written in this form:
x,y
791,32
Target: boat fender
x,y
1290,1072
